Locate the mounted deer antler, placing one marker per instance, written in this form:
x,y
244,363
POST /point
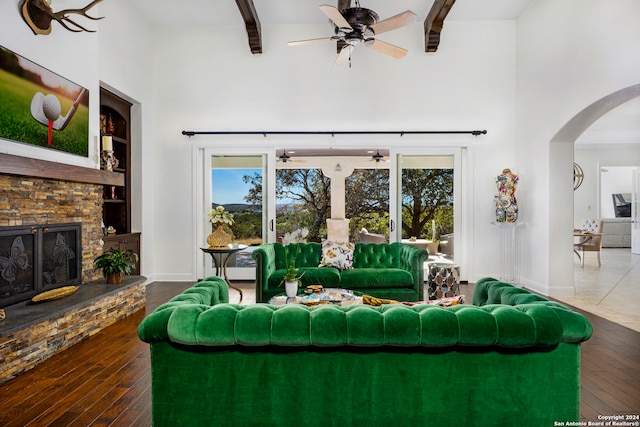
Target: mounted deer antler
x,y
38,15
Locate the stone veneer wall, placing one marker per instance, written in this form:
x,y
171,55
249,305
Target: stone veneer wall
x,y
29,201
24,349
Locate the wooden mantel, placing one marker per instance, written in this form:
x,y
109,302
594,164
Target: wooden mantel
x,y
24,166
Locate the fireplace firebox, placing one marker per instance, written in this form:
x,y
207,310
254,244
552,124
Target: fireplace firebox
x,y
38,258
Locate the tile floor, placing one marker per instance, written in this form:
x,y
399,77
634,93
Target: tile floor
x,y
611,290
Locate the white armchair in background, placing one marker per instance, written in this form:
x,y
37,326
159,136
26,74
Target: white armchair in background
x,y
590,234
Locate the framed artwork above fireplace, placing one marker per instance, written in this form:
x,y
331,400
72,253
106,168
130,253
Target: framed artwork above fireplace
x,y
42,108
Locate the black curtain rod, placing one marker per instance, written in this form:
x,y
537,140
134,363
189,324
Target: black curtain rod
x,y
191,133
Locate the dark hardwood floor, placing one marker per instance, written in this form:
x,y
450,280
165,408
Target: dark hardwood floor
x,y
105,380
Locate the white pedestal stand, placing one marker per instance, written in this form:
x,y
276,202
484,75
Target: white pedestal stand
x,y
509,260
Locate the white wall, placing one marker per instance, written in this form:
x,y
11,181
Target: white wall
x,y
567,60
209,80
117,55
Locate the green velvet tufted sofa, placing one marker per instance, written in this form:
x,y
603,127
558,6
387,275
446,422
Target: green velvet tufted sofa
x,y
384,270
511,359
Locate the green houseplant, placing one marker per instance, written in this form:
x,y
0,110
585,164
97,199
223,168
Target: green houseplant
x,y
291,279
115,263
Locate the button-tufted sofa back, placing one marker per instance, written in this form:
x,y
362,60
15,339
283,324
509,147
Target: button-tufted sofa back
x,y
365,255
592,225
372,255
298,254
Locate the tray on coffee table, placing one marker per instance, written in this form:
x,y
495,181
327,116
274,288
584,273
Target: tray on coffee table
x,y
335,296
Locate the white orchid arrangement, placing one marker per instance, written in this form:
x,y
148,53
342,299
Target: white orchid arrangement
x,y
219,215
296,236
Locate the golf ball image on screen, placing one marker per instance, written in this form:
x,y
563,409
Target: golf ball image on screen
x,y
51,107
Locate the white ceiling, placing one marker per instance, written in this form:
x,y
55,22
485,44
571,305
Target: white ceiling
x,y
621,125
272,12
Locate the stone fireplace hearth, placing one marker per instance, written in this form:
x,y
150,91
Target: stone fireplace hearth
x,y
27,201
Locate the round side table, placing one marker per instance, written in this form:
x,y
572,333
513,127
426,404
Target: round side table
x,y
221,258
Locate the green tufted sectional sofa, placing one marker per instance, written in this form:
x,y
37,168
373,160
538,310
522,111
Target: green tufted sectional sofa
x,y
511,359
384,270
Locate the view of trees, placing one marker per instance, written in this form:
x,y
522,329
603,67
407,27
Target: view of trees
x,y
367,201
427,194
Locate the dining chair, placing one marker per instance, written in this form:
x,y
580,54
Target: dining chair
x,y
592,242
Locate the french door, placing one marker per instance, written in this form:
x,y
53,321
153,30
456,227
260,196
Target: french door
x,y
237,183
431,204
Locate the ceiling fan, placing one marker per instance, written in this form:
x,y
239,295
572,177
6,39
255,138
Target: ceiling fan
x,y
379,157
285,157
358,25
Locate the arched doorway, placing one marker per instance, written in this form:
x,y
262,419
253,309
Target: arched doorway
x,y
561,158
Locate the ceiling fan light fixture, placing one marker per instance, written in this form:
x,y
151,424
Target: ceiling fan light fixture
x,y
354,39
354,26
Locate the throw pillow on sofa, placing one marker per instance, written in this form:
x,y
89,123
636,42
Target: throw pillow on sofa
x,y
337,254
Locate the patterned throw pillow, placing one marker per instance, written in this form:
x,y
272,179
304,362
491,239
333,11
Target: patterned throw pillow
x,y
337,254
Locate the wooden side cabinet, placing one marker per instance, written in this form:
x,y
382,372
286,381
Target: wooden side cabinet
x,y
124,242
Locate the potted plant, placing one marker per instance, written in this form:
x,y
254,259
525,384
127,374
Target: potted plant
x,y
291,279
115,263
219,217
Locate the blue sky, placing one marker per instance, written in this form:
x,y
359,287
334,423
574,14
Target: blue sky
x,y
227,185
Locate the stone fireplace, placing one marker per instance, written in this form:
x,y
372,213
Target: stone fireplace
x,y
29,203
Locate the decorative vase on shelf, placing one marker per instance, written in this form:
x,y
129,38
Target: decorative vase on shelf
x,y
219,238
291,288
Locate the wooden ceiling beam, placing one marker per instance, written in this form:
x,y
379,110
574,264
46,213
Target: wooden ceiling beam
x,y
434,23
252,24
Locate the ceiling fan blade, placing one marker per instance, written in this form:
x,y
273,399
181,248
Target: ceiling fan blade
x,y
299,42
386,48
336,17
400,20
343,56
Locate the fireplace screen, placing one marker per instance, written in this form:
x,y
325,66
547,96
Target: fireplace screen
x,y
36,259
16,264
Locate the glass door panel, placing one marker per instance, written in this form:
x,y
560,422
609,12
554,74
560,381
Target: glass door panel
x,y
367,204
426,211
303,200
236,183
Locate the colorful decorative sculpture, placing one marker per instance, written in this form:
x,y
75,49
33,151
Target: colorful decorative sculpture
x,y
506,203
